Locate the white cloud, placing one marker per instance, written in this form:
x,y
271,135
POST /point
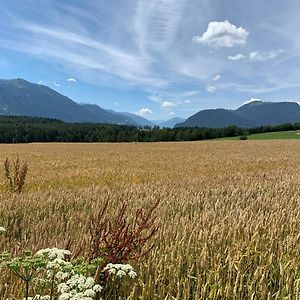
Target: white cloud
x,y
217,77
187,101
236,57
172,113
41,82
144,111
263,56
222,35
71,79
211,89
56,84
251,100
168,104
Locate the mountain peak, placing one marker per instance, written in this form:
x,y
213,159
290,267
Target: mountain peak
x,y
255,102
17,83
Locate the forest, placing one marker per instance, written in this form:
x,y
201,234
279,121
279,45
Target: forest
x,y
15,129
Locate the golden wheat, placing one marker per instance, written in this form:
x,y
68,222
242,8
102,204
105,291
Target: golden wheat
x,y
229,214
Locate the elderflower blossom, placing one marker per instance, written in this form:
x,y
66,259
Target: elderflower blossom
x,y
78,287
120,270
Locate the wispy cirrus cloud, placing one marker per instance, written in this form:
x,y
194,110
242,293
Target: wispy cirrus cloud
x,y
217,77
83,51
264,56
156,23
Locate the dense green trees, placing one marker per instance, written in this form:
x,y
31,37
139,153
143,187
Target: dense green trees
x,y
27,130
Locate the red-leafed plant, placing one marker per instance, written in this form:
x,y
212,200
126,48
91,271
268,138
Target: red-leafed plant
x,y
121,239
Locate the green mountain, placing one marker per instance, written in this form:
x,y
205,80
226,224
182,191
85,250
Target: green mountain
x,y
21,98
252,114
215,118
270,113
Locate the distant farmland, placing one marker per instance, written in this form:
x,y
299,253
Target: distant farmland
x,y
229,212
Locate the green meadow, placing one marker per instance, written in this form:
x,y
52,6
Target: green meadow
x,y
280,135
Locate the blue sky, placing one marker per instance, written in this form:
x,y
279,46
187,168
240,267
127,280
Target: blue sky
x,y
158,58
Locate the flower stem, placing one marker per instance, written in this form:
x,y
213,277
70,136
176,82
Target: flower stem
x,y
27,290
52,287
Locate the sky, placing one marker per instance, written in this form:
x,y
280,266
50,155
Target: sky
x,y
156,58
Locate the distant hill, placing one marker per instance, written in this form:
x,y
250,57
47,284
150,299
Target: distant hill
x,y
253,114
270,113
106,116
215,118
169,123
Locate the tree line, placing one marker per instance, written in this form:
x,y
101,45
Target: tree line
x,y
31,129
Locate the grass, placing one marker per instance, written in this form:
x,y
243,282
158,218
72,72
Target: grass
x,y
279,135
229,212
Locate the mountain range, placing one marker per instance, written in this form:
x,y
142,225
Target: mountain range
x,y
22,98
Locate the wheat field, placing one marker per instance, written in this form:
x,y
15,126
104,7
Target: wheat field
x,y
229,212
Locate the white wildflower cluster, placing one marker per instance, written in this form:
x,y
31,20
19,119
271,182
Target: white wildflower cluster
x,y
78,287
70,285
38,297
53,253
2,229
120,270
56,262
